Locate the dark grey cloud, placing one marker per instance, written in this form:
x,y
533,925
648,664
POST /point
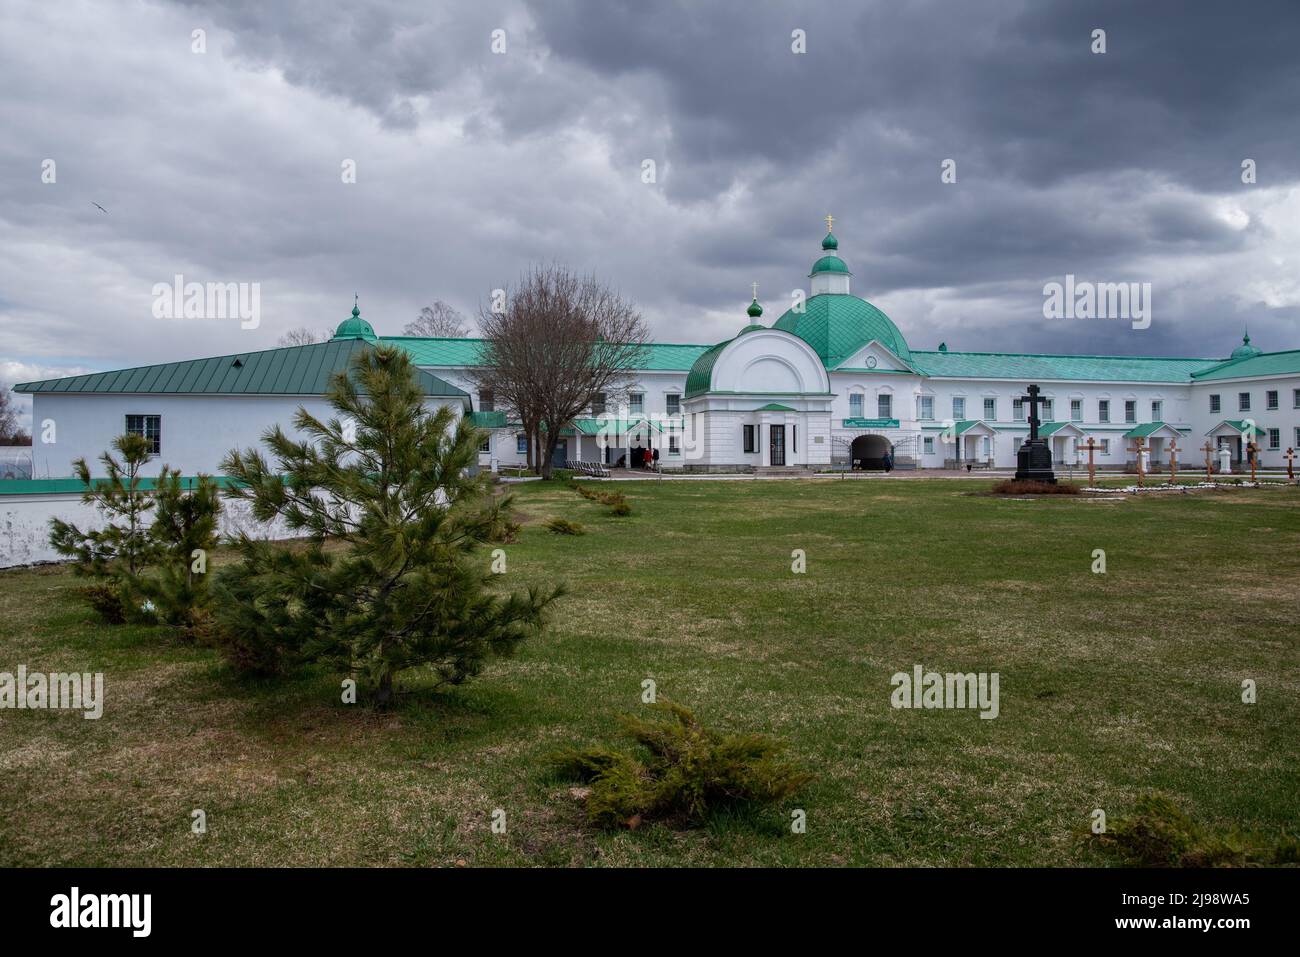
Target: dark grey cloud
x,y
225,166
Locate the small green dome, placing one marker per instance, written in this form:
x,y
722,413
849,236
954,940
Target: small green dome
x,y
1245,350
830,243
830,264
754,310
355,327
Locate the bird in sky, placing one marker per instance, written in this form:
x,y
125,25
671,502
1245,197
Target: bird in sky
x,y
98,207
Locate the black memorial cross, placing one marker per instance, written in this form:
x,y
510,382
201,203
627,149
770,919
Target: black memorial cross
x,y
1034,400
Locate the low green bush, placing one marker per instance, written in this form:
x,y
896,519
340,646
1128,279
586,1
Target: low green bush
x,y
562,526
679,771
1160,834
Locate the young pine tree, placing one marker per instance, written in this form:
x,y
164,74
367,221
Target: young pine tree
x,y
388,480
184,533
117,554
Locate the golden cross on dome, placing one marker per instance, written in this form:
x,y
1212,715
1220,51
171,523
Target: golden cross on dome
x,y
830,221
755,292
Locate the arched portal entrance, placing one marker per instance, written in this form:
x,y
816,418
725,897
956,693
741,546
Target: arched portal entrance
x,y
868,452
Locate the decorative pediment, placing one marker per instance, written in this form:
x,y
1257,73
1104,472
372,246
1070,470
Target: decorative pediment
x,y
872,357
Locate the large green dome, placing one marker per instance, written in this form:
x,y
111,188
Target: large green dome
x,y
836,326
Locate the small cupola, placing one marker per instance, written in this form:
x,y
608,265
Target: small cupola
x,y
354,327
829,273
1245,350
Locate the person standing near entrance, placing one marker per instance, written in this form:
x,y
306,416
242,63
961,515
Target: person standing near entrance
x,y
889,458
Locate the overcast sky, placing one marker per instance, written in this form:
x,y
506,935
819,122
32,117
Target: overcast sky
x,y
226,165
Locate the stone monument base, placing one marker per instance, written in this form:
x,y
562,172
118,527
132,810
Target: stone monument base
x,y
1034,462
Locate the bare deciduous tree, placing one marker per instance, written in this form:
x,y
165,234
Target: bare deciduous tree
x,y
439,321
10,433
559,341
303,336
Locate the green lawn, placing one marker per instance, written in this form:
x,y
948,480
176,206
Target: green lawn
x,y
1111,685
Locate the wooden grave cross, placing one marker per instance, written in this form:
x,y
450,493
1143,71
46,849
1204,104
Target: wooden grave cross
x,y
1092,446
1253,449
1289,455
1208,449
1139,446
1173,461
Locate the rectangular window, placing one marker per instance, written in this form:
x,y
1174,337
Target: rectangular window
x,y
1215,404
674,403
929,444
1270,399
521,444
1017,410
486,402
927,408
674,445
1157,410
598,404
1297,436
1103,410
486,446
885,406
636,402
794,438
150,426
855,405
1105,446
749,438
959,408
1048,406
1243,401
1076,410
1274,438
990,410
1295,398
1130,410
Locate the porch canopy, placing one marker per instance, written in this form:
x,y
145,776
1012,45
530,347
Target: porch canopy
x,y
1156,437
1063,438
965,437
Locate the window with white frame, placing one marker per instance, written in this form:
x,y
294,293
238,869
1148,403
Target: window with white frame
x,y
1274,438
991,410
749,438
1270,399
855,405
1048,405
959,408
150,426
1243,401
885,405
1216,403
927,408
1076,410
521,444
636,402
673,403
1105,446
929,444
1130,410
486,401
1103,410
598,403
1295,398
1157,410
1297,436
1017,410
487,445
674,445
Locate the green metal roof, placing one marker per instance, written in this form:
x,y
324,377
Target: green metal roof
x,y
1011,365
1146,429
658,357
774,407
830,264
291,370
830,242
837,326
1266,363
1238,425
488,420
965,425
1051,428
700,377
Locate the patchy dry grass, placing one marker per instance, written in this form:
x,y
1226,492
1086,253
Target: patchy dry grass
x,y
1112,686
